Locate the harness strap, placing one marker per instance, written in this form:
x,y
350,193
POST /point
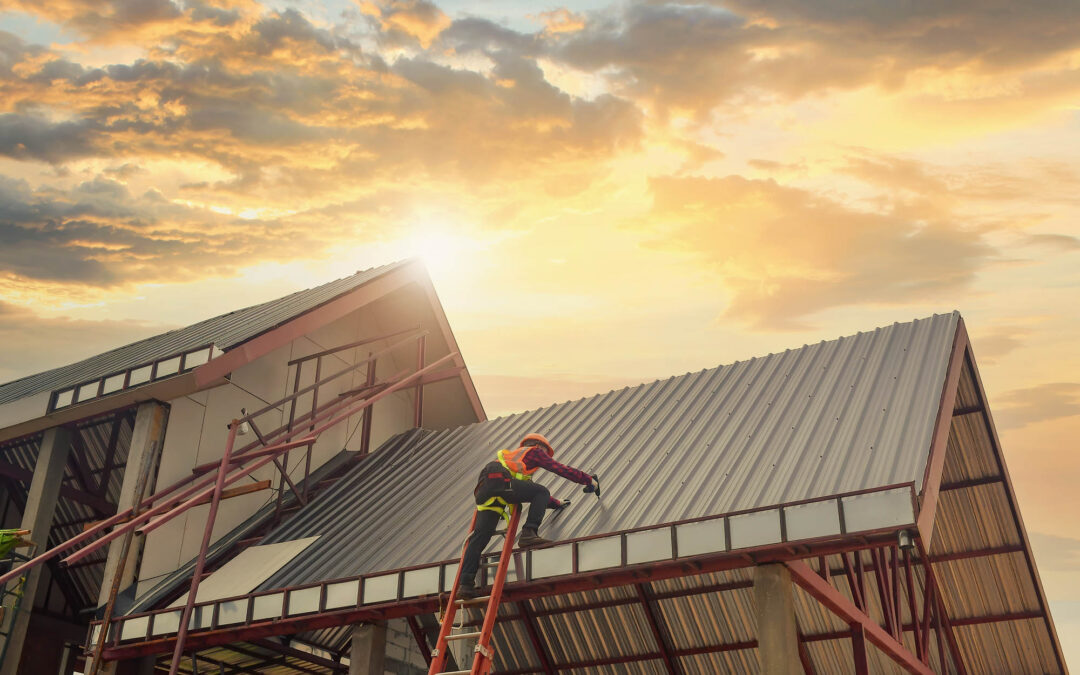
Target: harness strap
x,y
498,505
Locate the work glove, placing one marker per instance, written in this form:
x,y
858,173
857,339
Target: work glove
x,y
593,485
558,504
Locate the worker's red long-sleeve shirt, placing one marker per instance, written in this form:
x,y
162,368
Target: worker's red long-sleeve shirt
x,y
536,457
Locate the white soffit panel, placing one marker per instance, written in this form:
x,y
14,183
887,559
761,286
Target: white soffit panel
x,y
246,571
876,510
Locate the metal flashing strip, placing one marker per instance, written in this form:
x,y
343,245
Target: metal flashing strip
x,y
878,510
153,371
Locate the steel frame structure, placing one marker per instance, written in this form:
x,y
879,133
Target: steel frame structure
x,y
208,483
877,583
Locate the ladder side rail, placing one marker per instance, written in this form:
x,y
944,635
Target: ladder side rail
x,y
483,661
438,656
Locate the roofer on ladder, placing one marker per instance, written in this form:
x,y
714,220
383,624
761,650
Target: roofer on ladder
x,y
506,481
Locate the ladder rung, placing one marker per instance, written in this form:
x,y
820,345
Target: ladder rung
x,y
462,636
473,601
456,672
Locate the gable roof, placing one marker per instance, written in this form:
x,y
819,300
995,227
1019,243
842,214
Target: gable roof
x,y
224,332
686,463
836,417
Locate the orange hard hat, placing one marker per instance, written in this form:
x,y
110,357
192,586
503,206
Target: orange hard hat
x,y
538,439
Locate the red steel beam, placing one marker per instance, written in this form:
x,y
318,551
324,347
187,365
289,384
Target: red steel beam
x,y
939,443
804,658
941,616
831,598
302,325
625,576
418,395
110,454
269,450
1018,521
858,650
533,630
157,510
969,483
421,640
87,499
200,562
352,345
658,634
292,652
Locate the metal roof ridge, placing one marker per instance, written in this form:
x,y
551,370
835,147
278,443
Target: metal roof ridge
x,y
381,269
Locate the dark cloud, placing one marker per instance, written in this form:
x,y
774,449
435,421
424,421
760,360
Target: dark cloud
x,y
992,33
273,32
102,18
33,137
785,254
99,234
476,34
1040,403
696,56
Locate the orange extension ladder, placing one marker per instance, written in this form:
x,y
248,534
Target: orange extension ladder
x,y
484,652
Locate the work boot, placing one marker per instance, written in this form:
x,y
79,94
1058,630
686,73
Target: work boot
x,y
467,590
529,538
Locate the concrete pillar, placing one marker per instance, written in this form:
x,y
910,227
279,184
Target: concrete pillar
x,y
778,637
368,649
38,517
149,424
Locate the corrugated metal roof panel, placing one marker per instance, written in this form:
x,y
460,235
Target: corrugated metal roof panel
x,y
225,331
832,417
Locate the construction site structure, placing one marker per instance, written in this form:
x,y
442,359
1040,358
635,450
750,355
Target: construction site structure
x,y
137,439
843,507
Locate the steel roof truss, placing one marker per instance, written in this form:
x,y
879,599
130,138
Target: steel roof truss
x,y
860,622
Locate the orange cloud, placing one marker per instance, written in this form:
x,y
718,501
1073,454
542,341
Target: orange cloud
x,y
407,21
561,20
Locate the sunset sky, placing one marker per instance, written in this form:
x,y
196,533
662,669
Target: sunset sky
x,y
604,193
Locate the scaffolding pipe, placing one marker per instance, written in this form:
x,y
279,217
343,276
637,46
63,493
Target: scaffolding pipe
x,y
126,514
158,510
200,562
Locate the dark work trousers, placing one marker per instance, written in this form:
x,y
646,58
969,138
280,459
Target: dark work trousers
x,y
521,492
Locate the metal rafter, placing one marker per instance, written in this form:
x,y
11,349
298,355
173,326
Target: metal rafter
x,y
533,630
279,659
941,617
832,599
110,453
421,640
292,652
74,494
662,640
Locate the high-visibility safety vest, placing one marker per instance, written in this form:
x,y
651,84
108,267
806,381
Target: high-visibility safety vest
x,y
513,460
